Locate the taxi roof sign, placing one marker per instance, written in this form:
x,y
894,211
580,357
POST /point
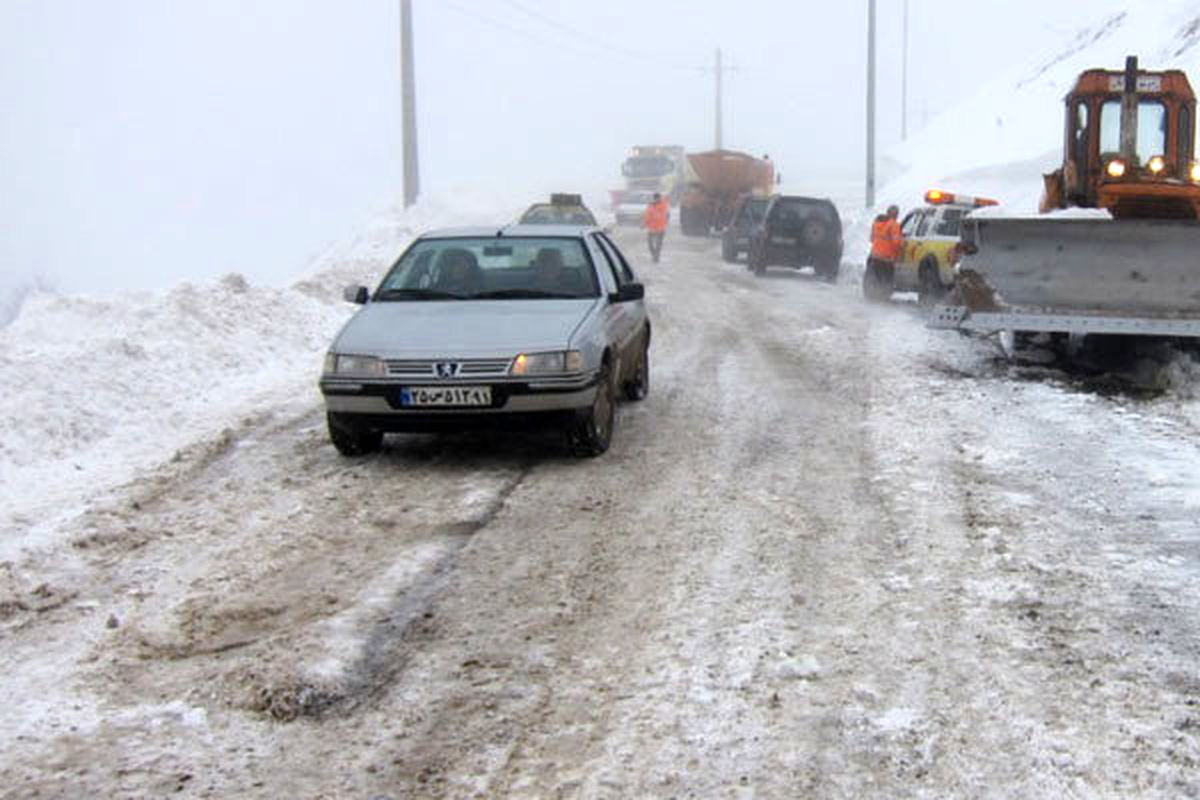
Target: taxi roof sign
x,y
563,199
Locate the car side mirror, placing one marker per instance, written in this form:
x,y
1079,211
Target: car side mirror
x,y
628,292
355,294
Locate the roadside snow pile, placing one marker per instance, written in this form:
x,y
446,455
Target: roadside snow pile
x,y
98,388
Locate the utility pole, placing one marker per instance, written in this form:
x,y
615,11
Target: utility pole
x,y
408,112
904,78
718,72
870,103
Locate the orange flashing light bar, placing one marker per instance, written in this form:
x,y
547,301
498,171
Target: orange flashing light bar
x,y
939,198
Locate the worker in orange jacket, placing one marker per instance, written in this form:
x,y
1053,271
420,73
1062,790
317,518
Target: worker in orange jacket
x,y
886,245
654,220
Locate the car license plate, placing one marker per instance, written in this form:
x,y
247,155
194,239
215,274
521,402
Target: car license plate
x,y
424,396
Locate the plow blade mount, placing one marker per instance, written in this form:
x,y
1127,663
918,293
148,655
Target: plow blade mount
x,y
1078,275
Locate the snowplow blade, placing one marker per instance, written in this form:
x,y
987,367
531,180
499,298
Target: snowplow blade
x,y
1075,275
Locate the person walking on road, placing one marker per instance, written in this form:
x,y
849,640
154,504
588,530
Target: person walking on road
x,y
654,220
886,244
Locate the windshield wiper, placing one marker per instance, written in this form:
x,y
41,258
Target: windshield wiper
x,y
525,294
416,294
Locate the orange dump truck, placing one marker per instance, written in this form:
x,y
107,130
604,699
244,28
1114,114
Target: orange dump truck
x,y
716,179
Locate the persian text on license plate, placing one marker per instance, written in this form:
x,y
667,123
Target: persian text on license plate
x,y
446,396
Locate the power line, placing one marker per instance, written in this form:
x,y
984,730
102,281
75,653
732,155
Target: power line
x,y
582,36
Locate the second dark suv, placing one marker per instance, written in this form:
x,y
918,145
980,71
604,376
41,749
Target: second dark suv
x,y
798,232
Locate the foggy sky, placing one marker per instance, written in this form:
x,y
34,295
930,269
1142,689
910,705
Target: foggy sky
x,y
143,143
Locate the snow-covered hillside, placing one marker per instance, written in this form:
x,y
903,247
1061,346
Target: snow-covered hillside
x,y
1000,141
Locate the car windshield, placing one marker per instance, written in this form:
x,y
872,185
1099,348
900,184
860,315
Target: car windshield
x,y
1151,129
558,215
793,213
648,167
491,268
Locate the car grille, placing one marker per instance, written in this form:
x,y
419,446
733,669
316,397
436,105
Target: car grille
x,y
436,368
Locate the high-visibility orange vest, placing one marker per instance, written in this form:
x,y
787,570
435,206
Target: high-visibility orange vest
x,y
654,219
886,239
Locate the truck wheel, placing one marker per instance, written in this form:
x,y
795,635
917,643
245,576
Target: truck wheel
x,y
352,439
929,285
876,287
591,433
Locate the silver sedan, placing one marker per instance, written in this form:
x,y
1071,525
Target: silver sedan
x,y
520,325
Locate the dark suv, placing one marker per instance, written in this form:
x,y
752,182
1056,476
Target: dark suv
x,y
798,232
747,215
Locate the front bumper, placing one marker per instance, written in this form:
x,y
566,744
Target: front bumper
x,y
377,403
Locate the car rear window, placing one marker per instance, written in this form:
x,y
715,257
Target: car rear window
x,y
558,215
792,213
491,268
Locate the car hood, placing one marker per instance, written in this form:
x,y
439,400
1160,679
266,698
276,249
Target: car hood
x,y
464,328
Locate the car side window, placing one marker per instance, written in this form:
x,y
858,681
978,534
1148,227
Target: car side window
x,y
923,225
947,224
626,273
910,223
613,270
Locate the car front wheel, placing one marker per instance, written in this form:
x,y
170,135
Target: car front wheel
x,y
638,385
591,433
351,439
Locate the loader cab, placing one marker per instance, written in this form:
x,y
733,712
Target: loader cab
x,y
1130,144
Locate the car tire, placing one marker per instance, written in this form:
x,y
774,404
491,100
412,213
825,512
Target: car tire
x,y
929,284
638,385
351,439
592,432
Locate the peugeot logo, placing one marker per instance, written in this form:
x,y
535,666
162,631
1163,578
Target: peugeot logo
x,y
447,369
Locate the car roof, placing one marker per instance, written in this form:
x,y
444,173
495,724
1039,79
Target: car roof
x,y
802,198
511,230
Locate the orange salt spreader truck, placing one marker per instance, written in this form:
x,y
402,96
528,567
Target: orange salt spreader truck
x,y
1130,262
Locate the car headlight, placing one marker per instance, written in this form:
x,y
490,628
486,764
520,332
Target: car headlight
x,y
353,365
547,363
1156,164
1115,168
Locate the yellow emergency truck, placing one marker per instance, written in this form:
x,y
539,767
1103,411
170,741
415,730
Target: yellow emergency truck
x,y
930,251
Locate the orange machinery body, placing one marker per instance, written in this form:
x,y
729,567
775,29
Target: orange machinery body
x,y
1092,143
719,178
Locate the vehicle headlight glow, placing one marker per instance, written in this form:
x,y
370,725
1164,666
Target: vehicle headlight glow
x,y
1115,168
1156,164
354,365
547,363
1194,172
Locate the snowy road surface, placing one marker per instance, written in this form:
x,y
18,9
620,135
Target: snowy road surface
x,y
834,554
